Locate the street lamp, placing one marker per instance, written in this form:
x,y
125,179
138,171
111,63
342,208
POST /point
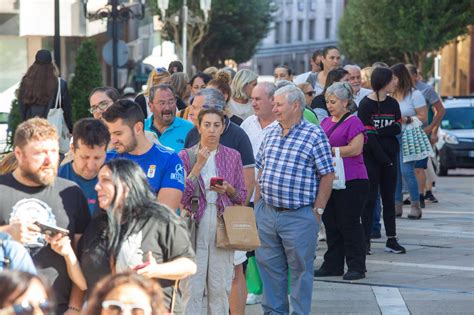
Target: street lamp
x,y
117,12
205,6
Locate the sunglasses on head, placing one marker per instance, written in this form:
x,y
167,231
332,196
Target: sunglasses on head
x,y
28,309
161,69
117,307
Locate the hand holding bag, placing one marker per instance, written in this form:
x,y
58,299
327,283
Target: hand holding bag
x,y
340,179
56,118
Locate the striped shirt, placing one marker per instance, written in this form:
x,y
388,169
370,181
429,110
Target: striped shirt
x,y
291,165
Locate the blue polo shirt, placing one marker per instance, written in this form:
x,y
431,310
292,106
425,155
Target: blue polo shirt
x,y
162,167
87,186
174,135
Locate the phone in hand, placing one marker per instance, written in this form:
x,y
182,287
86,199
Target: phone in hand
x,y
141,266
51,230
217,181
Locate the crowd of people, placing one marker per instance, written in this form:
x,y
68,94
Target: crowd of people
x,y
124,218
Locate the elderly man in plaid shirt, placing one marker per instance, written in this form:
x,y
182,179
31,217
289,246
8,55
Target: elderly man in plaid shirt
x,y
294,184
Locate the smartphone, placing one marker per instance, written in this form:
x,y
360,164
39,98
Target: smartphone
x,y
217,181
138,267
51,230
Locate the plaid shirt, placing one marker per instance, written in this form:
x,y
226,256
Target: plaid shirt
x,y
291,165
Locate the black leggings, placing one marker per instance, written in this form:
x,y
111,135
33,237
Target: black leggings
x,y
344,233
385,178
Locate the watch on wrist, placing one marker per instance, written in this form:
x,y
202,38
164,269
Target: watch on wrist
x,y
319,211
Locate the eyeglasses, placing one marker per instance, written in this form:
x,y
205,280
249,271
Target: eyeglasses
x,y
170,102
310,93
99,107
117,307
28,309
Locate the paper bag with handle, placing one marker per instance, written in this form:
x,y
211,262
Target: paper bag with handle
x,y
237,229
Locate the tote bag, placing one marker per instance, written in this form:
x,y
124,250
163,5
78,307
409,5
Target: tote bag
x,y
340,176
56,118
415,143
237,229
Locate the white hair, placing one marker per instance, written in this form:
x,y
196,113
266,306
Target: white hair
x,y
350,67
292,94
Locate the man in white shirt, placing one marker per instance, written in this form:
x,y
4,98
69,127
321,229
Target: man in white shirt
x,y
355,81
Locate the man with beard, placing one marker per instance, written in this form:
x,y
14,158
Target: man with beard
x,y
33,193
169,129
162,166
355,81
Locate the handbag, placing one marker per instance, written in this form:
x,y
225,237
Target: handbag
x,y
237,229
340,176
191,224
56,118
338,163
415,143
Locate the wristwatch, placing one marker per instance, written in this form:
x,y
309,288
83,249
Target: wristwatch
x,y
319,211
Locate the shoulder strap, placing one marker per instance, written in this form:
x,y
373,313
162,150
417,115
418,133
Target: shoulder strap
x,y
329,133
197,191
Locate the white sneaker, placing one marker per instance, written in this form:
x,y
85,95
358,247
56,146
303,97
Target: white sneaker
x,y
322,233
253,299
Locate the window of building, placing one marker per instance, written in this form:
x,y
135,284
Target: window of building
x,y
328,28
300,5
300,30
288,31
312,29
277,32
312,5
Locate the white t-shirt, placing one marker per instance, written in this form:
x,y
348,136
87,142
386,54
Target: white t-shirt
x,y
241,110
411,102
363,92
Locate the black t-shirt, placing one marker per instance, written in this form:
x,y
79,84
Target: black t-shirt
x,y
236,120
62,204
319,102
233,137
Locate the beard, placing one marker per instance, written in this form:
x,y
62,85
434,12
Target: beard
x,y
41,176
128,147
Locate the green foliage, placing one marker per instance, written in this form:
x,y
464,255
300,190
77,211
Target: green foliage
x,y
236,27
87,76
402,30
14,120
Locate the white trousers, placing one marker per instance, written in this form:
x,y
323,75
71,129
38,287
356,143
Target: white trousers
x,y
214,271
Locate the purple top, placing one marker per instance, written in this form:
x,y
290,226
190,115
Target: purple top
x,y
354,167
229,167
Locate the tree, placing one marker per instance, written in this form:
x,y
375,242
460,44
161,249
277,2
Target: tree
x,y
233,30
403,30
14,120
87,76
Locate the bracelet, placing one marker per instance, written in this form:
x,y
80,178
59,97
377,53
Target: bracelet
x,y
75,309
192,177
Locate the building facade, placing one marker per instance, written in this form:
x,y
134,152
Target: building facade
x,y
299,28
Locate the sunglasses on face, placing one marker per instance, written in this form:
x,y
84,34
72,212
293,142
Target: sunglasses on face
x,y
117,307
310,93
99,107
28,309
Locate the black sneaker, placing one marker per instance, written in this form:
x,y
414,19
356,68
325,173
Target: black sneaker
x,y
375,235
430,197
353,275
392,246
422,201
327,273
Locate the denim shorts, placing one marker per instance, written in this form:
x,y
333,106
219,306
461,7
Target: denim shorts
x,y
422,164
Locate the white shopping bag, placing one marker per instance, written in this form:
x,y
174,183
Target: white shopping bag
x,y
340,179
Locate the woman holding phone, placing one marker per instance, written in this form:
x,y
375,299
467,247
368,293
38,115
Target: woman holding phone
x,y
215,178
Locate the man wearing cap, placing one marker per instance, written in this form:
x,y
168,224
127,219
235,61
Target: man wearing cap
x,y
169,129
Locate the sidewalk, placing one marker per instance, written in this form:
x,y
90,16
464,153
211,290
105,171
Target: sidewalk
x,y
435,276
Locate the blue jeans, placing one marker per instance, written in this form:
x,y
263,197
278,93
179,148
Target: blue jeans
x,y
288,239
376,226
406,172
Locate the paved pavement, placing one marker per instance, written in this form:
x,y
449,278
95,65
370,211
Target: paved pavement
x,y
435,276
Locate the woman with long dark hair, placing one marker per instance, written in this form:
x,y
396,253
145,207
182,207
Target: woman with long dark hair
x,y
381,117
39,89
414,110
136,232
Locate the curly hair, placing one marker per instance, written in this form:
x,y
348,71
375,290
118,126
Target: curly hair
x,y
111,282
34,129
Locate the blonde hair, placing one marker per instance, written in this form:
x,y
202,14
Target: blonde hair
x,y
179,83
155,78
241,79
303,86
8,164
34,129
212,71
365,75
